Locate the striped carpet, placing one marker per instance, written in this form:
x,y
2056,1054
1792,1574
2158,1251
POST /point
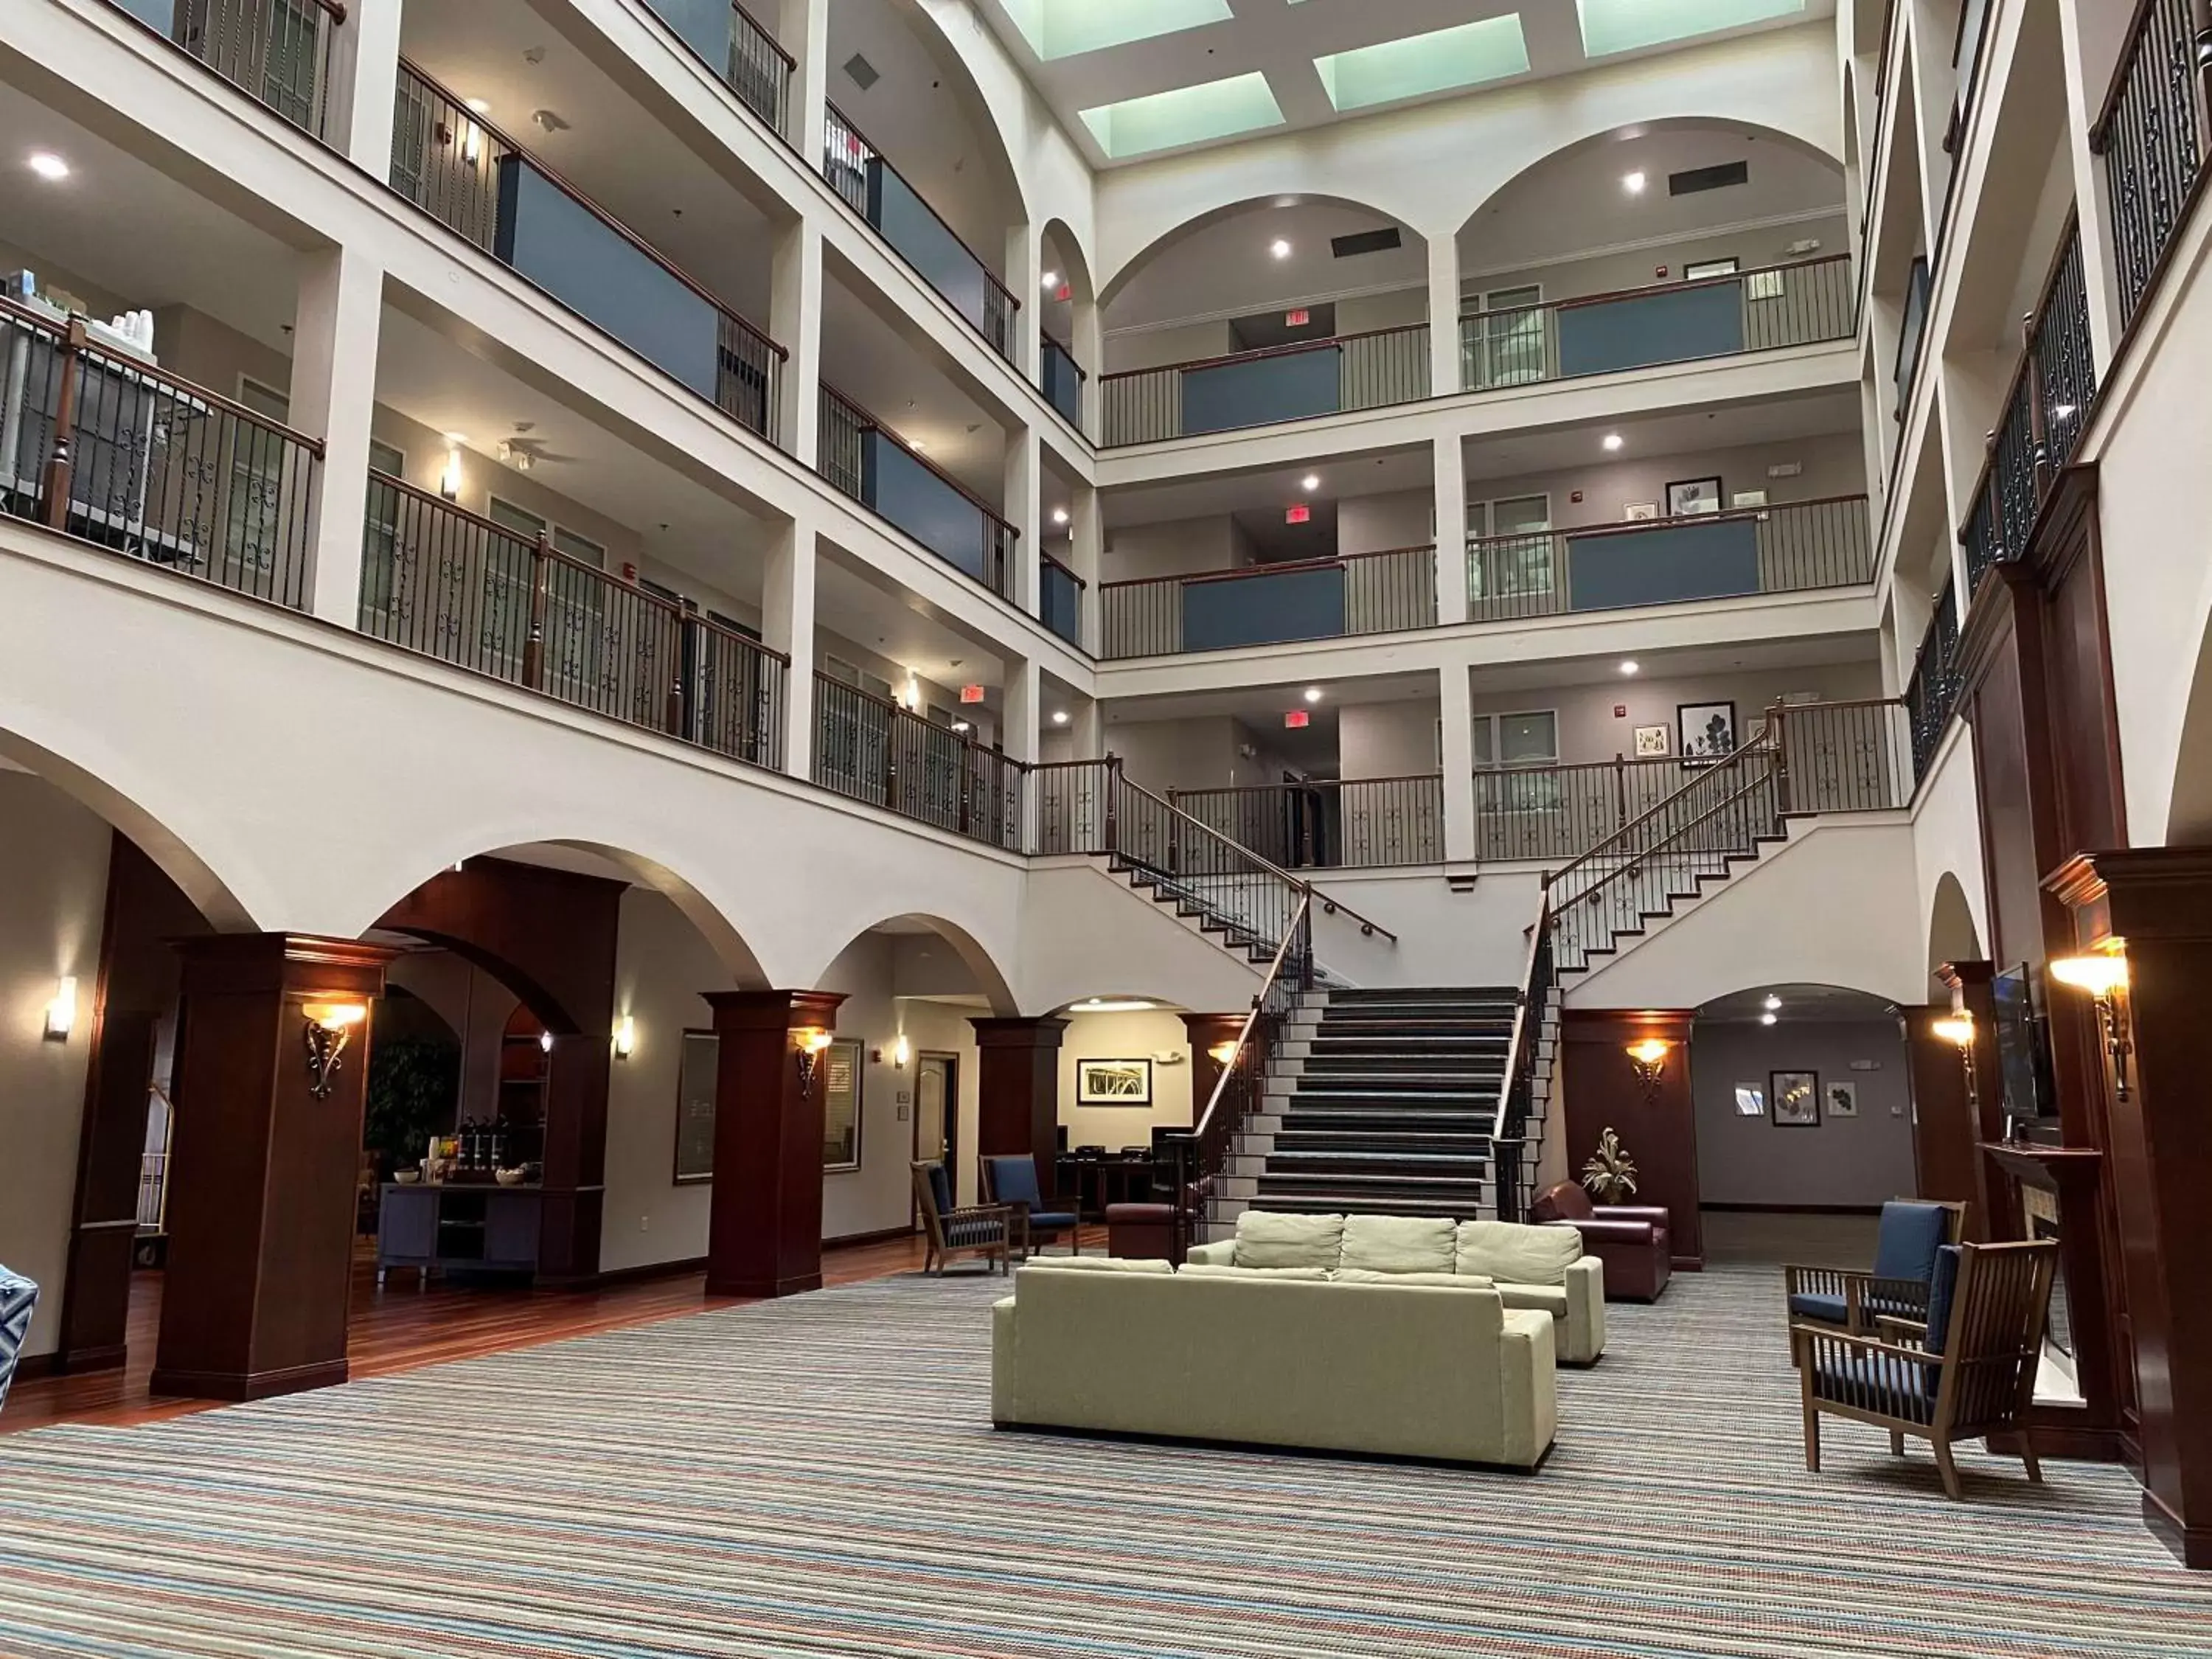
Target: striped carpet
x,y
819,1476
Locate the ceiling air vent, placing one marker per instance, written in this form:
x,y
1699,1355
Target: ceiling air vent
x,y
1365,241
862,72
1697,179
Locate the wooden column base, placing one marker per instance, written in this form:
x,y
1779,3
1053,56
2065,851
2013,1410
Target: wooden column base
x,y
248,1385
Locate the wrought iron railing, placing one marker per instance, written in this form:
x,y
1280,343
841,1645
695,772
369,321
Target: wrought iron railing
x,y
1561,811
841,456
1383,592
874,751
1798,546
1060,599
277,51
449,160
98,443
1932,692
848,161
2153,136
2039,424
1352,824
1528,1068
1848,757
451,585
1062,379
758,70
1370,370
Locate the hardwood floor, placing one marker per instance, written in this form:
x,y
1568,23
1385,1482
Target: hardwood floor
x,y
401,1326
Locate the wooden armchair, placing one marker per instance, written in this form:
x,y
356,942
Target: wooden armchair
x,y
994,1232
1968,1370
1912,1232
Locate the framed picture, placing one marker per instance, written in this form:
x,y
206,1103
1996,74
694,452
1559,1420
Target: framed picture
x,y
1638,512
1686,496
1113,1082
840,1111
1727,267
1747,498
1651,740
1750,1100
1842,1100
695,1066
1794,1099
1704,731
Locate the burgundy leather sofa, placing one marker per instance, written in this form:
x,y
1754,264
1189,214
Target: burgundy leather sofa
x,y
1630,1239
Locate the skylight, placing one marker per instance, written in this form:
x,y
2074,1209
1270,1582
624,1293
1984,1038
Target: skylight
x,y
1062,29
1611,26
1465,55
1185,115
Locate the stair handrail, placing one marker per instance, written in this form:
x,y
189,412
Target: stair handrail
x,y
1616,845
1516,1094
1197,1154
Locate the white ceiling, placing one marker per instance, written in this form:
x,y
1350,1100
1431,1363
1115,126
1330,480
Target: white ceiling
x,y
1687,432
1280,39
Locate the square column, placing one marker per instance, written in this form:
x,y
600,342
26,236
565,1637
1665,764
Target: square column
x,y
1450,483
1024,510
1455,706
364,84
1208,1032
788,625
1443,315
1024,280
802,29
1086,549
795,322
333,396
764,1229
261,1185
1018,1090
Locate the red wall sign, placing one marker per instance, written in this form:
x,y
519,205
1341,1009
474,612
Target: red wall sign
x,y
1297,319
1300,513
972,694
1296,719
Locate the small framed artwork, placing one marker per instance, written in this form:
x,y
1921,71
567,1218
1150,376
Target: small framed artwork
x,y
1750,1100
1638,512
1842,1100
1702,268
1114,1082
1794,1099
1747,498
1688,496
1705,731
1651,740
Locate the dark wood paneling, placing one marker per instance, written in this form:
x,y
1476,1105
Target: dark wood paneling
x,y
1600,1090
1018,1089
1946,1131
1206,1031
764,1232
261,1196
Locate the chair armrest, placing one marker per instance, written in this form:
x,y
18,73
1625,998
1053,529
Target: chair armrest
x,y
1607,1230
1902,1330
1221,1253
1658,1215
1584,1340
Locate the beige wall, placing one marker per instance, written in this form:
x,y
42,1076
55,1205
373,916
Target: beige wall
x,y
1859,1161
1589,730
1608,272
1136,1035
1385,739
1834,464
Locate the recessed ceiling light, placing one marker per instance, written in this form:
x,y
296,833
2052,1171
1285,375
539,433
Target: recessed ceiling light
x,y
1279,248
1050,279
1060,515
49,165
1313,694
1631,666
1613,441
1767,1019
1772,1003
1310,482
1116,1005
1633,183
1059,717
479,107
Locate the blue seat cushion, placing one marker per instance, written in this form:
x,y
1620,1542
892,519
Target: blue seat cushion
x,y
1051,1218
1910,1237
1940,1289
1878,1383
941,1187
1818,1304
977,1229
1014,1180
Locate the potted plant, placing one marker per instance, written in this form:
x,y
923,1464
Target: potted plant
x,y
1609,1175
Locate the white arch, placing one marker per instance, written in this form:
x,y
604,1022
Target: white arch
x,y
991,981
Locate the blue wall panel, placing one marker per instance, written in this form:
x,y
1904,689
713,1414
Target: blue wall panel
x,y
1264,609
156,13
1678,561
1669,325
704,25
565,249
1286,387
1060,604
923,505
911,226
1062,382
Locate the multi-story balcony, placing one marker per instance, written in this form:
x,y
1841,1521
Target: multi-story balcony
x,y
276,50
886,474
746,56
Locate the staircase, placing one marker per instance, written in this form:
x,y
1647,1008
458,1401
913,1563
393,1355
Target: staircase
x,y
1378,1103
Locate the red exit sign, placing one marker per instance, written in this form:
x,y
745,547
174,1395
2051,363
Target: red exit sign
x,y
972,694
1297,319
1296,719
1300,513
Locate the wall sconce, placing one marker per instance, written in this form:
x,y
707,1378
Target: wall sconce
x,y
625,1037
545,1043
1223,1053
902,1052
61,1013
449,476
2103,976
812,1040
1648,1059
471,142
329,1026
1958,1030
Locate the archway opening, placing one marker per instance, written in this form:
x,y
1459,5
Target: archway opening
x,y
1953,935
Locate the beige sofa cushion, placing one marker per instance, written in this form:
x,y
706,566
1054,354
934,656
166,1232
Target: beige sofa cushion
x,y
1513,1254
1266,1239
1400,1243
1208,1270
1552,1299
1453,1281
1098,1264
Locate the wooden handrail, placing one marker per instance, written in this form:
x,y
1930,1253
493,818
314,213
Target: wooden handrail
x,y
1251,1017
1762,742
559,183
1521,1016
1632,527
876,151
1324,343
867,421
1273,569
1062,568
899,709
2130,42
34,318
1307,783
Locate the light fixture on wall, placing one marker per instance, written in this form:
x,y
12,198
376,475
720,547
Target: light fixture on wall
x,y
1279,248
2103,975
545,1043
48,166
625,1037
810,1040
449,476
1772,1005
1633,183
1957,1029
1631,666
902,1052
1313,694
1059,717
1223,1053
328,1027
61,1013
1060,515
1611,442
1647,1058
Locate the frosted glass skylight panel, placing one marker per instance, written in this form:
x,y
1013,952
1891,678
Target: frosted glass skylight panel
x,y
1443,61
1611,26
1185,115
1064,29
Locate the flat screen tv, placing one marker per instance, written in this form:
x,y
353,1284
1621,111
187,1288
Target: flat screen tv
x,y
2023,1045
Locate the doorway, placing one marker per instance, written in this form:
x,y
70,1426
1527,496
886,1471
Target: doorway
x,y
937,1113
